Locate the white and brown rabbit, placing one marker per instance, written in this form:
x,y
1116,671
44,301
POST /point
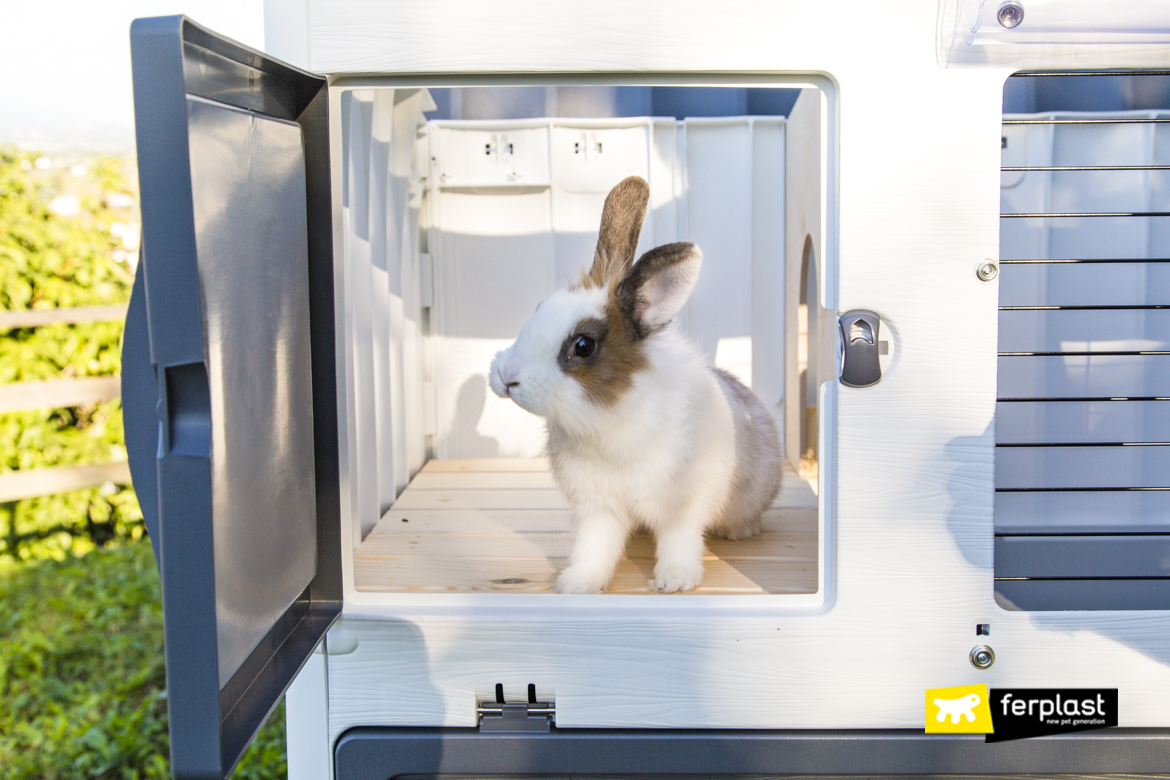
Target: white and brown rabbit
x,y
641,431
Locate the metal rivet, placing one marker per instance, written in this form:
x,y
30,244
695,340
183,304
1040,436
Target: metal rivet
x,y
1010,13
982,657
987,270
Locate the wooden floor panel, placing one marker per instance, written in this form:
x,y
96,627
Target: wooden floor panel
x,y
500,525
485,464
399,520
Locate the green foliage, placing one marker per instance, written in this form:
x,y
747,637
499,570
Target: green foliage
x,y
60,351
67,523
82,681
57,437
49,260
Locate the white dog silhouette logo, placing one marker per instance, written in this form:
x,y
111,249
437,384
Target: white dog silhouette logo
x,y
962,707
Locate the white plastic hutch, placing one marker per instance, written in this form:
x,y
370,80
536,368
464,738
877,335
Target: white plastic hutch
x,y
341,509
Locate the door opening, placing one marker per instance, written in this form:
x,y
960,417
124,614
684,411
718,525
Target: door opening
x,y
457,497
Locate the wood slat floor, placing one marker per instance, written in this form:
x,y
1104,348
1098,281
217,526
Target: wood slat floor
x,y
500,525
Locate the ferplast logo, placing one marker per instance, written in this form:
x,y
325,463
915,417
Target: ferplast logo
x,y
959,710
1036,712
1090,709
1018,713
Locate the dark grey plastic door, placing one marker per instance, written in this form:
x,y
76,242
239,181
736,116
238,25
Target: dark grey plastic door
x,y
237,276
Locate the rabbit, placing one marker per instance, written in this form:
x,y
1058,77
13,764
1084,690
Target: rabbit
x,y
641,431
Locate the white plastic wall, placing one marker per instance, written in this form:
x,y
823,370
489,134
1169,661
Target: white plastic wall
x,y
384,398
514,213
805,192
511,206
735,213
306,707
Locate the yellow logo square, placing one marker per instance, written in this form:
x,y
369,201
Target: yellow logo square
x,y
959,710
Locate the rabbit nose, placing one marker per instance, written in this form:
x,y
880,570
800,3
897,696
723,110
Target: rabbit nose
x,y
510,377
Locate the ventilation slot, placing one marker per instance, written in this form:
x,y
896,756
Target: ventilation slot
x,y
1082,470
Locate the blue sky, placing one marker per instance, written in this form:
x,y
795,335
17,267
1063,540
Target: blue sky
x,y
67,66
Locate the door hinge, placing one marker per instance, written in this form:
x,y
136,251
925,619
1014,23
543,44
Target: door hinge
x,y
531,715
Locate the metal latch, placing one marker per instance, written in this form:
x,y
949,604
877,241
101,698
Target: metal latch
x,y
861,348
501,715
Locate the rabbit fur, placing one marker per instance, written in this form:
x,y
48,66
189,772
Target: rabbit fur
x,y
641,431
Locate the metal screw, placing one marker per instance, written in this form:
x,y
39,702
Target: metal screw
x,y
987,270
1010,13
982,657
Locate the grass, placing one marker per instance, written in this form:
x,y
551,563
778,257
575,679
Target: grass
x,y
82,674
82,670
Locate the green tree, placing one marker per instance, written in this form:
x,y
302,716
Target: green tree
x,y
53,260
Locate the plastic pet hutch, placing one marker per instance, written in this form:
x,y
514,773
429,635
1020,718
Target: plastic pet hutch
x,y
342,510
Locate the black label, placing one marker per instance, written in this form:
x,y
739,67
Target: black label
x,y
1017,713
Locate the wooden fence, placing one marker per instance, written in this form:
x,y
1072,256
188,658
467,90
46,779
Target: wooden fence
x,y
56,393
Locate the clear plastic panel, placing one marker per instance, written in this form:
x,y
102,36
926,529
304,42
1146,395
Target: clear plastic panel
x,y
1063,21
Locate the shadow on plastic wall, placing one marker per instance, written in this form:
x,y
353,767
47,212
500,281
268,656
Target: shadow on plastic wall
x,y
969,505
970,502
379,674
594,102
385,680
469,408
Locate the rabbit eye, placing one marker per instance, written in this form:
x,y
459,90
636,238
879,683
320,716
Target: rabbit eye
x,y
583,346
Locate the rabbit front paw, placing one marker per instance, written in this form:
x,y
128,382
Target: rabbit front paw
x,y
672,579
578,579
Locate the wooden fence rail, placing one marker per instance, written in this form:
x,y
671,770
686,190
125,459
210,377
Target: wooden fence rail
x,y
33,318
31,483
56,393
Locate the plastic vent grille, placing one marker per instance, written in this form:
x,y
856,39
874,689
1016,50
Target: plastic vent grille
x,y
1082,471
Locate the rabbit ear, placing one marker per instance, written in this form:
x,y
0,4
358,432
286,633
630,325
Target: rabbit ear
x,y
658,285
621,225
